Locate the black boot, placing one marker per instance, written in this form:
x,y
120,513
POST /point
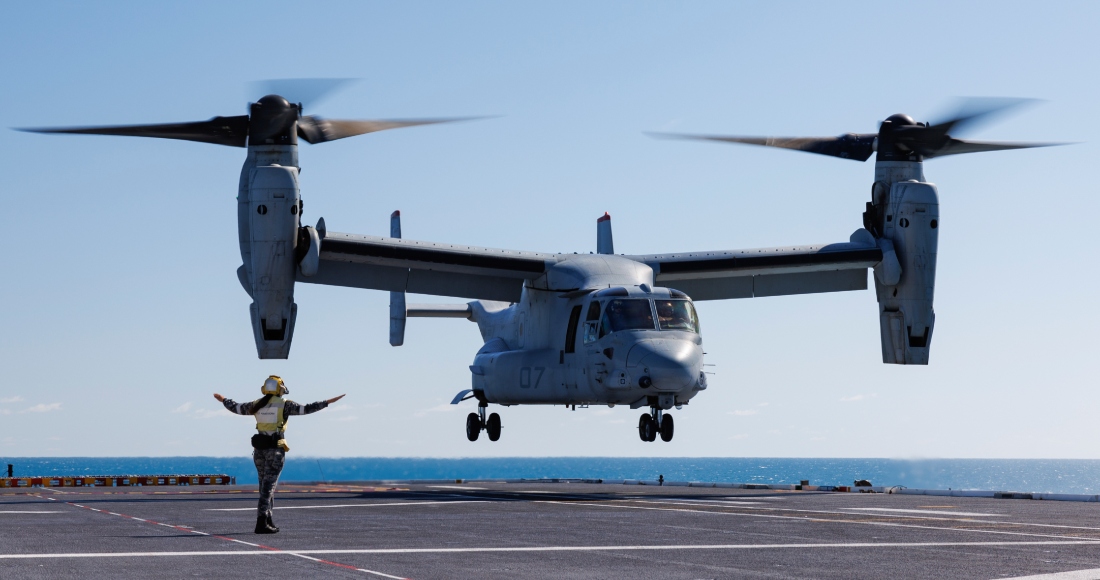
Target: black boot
x,y
270,523
262,527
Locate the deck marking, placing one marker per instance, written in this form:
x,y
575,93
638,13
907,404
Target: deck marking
x,y
931,515
924,512
34,512
457,487
350,505
305,553
1090,574
264,549
706,502
866,523
57,490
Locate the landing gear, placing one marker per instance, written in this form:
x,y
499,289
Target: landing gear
x,y
666,428
647,429
473,426
475,422
653,423
492,427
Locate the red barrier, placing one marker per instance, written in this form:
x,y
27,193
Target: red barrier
x,y
116,480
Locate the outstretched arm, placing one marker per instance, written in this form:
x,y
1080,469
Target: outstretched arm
x,y
292,408
233,406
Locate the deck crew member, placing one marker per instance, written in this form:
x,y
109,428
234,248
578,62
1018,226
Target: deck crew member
x,y
269,445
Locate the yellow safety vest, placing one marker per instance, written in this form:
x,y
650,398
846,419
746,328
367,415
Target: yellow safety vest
x,y
270,419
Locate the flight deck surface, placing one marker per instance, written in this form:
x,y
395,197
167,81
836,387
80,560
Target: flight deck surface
x,y
538,530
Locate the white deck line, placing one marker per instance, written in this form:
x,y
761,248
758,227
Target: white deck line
x,y
673,547
774,516
930,512
349,505
1090,574
929,516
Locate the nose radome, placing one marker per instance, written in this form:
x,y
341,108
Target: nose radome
x,y
672,364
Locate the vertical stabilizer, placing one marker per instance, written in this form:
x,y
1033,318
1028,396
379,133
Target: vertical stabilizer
x,y
397,299
604,244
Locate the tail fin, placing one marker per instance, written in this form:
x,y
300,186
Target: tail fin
x,y
604,244
397,299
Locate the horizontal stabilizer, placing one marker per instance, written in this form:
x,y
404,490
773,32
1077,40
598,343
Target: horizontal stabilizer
x,y
439,311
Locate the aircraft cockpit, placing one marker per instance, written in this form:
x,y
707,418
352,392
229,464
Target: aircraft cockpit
x,y
615,309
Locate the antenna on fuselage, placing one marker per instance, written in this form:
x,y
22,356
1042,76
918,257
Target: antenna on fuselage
x,y
604,244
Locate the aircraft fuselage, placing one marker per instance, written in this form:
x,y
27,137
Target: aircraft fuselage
x,y
614,339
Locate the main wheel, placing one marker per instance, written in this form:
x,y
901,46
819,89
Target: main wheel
x,y
646,429
492,427
473,426
666,427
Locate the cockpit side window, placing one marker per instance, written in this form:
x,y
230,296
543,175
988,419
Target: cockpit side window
x,y
592,322
677,315
593,311
630,314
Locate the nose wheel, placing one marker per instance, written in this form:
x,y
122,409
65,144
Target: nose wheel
x,y
655,423
476,422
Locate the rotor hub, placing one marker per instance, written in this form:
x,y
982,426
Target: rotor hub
x,y
272,121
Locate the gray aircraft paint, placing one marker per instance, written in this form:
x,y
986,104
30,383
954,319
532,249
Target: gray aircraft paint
x,y
525,359
532,308
905,281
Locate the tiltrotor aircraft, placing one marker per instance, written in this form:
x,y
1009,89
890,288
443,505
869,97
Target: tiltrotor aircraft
x,y
579,329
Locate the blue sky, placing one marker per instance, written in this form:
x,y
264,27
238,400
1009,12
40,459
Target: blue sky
x,y
123,313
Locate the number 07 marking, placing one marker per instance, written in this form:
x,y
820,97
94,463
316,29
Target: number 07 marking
x,y
525,377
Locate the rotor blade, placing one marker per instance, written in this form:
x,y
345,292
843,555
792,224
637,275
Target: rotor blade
x,y
972,111
317,130
231,131
308,92
959,146
849,146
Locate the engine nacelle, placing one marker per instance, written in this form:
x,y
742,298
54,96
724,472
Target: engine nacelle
x,y
910,232
274,208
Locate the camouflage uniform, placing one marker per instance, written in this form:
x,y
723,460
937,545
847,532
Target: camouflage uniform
x,y
269,462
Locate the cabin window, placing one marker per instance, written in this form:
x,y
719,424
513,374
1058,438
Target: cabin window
x,y
571,331
677,315
631,314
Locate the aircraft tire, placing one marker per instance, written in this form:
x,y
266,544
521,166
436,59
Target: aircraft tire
x,y
667,427
646,429
492,427
473,426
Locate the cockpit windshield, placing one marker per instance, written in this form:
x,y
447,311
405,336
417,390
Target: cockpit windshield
x,y
677,315
629,314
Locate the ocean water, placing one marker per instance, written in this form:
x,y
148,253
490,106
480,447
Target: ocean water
x,y
1031,475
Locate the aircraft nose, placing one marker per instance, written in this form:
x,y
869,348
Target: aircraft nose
x,y
671,364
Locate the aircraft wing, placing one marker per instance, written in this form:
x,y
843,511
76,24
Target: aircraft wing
x,y
724,274
401,265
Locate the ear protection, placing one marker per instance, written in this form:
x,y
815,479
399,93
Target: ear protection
x,y
274,385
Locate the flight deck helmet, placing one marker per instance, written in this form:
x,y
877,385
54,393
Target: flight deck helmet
x,y
274,385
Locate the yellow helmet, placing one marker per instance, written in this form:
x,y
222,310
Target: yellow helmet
x,y
274,385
